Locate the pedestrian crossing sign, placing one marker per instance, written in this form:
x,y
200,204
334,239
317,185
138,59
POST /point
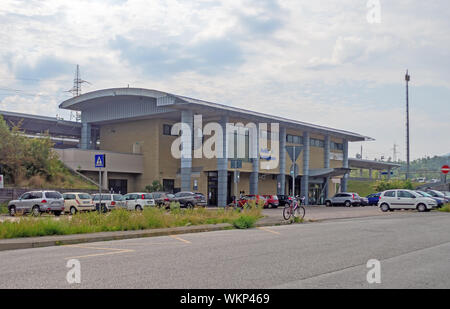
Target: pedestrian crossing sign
x,y
100,161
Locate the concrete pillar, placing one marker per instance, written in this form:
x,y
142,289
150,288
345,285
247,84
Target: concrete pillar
x,y
222,167
187,120
326,164
254,175
305,178
281,178
361,172
86,132
345,165
370,173
389,174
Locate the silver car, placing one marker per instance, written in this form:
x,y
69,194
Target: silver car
x,y
347,199
108,202
37,202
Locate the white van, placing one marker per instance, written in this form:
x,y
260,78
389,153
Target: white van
x,y
405,199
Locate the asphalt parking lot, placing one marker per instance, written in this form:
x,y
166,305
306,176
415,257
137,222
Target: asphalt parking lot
x,y
413,249
318,213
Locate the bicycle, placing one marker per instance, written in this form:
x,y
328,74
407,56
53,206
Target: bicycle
x,y
294,209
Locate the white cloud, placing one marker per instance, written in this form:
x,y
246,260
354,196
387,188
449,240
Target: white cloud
x,y
316,61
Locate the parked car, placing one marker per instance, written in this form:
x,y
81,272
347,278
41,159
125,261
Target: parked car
x,y
109,201
373,199
186,199
272,201
37,202
364,201
438,194
285,200
347,199
77,201
405,199
138,201
440,202
162,199
257,198
201,199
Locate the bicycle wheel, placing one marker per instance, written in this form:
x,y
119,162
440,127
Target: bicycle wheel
x,y
287,212
299,212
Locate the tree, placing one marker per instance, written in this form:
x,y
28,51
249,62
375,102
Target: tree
x,y
154,187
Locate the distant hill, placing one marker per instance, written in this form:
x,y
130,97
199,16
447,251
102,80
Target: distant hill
x,y
428,167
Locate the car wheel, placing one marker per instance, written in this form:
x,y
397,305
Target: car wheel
x,y
348,204
104,209
270,206
73,210
328,203
57,213
421,208
12,211
138,208
384,207
36,212
189,205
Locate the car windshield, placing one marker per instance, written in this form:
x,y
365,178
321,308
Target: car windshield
x,y
118,197
84,196
424,194
105,197
440,194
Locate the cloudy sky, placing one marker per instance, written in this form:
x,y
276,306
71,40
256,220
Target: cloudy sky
x,y
327,62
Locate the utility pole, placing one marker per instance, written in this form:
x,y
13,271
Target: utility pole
x,y
395,152
76,91
407,79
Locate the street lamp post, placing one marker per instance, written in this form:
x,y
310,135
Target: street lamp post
x,y
407,79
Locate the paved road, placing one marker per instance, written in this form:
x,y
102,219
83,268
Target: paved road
x,y
414,250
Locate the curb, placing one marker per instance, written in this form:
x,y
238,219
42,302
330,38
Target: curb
x,y
48,241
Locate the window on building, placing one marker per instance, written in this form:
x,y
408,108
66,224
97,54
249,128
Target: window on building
x,y
336,146
317,142
167,128
294,139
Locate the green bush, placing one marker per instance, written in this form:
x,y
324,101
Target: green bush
x,y
446,208
384,185
3,208
154,187
244,222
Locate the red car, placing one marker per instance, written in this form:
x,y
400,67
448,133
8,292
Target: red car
x,y
272,201
243,200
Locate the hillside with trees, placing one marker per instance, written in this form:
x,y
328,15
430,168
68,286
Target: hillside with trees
x,y
32,163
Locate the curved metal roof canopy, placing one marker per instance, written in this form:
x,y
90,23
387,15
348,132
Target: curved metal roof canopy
x,y
124,100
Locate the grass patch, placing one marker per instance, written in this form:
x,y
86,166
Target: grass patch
x,y
446,208
3,208
123,220
363,188
245,222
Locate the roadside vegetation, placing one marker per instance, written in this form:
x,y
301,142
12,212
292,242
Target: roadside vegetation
x,y
446,208
124,220
3,208
364,188
32,163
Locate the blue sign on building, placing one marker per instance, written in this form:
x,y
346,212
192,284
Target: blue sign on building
x,y
100,161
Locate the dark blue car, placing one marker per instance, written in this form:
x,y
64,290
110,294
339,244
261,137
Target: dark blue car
x,y
373,198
